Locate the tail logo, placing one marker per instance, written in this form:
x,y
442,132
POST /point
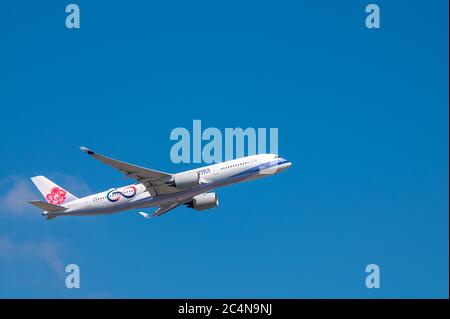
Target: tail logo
x,y
114,195
56,196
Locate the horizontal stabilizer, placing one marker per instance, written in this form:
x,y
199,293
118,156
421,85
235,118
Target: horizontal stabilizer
x,y
47,206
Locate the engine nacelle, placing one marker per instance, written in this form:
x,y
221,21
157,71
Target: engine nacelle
x,y
185,180
204,201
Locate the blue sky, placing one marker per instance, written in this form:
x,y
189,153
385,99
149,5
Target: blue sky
x,y
362,114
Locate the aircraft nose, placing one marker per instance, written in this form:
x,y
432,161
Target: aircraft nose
x,y
287,163
284,164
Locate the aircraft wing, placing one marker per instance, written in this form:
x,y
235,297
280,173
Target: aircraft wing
x,y
153,180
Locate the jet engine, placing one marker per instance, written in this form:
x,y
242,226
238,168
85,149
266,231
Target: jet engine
x,y
185,180
204,201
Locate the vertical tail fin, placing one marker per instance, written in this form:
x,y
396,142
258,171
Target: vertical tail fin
x,y
53,193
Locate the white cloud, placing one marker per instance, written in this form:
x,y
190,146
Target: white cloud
x,y
6,249
19,190
46,251
15,199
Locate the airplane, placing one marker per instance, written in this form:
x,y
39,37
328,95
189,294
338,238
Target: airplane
x,y
155,188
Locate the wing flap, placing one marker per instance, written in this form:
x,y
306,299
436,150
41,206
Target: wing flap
x,y
165,208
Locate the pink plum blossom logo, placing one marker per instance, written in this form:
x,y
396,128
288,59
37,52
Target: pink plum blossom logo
x,y
56,196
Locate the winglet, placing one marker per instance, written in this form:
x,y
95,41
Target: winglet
x,y
145,215
86,150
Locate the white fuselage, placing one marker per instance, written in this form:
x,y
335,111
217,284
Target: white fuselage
x,y
212,176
